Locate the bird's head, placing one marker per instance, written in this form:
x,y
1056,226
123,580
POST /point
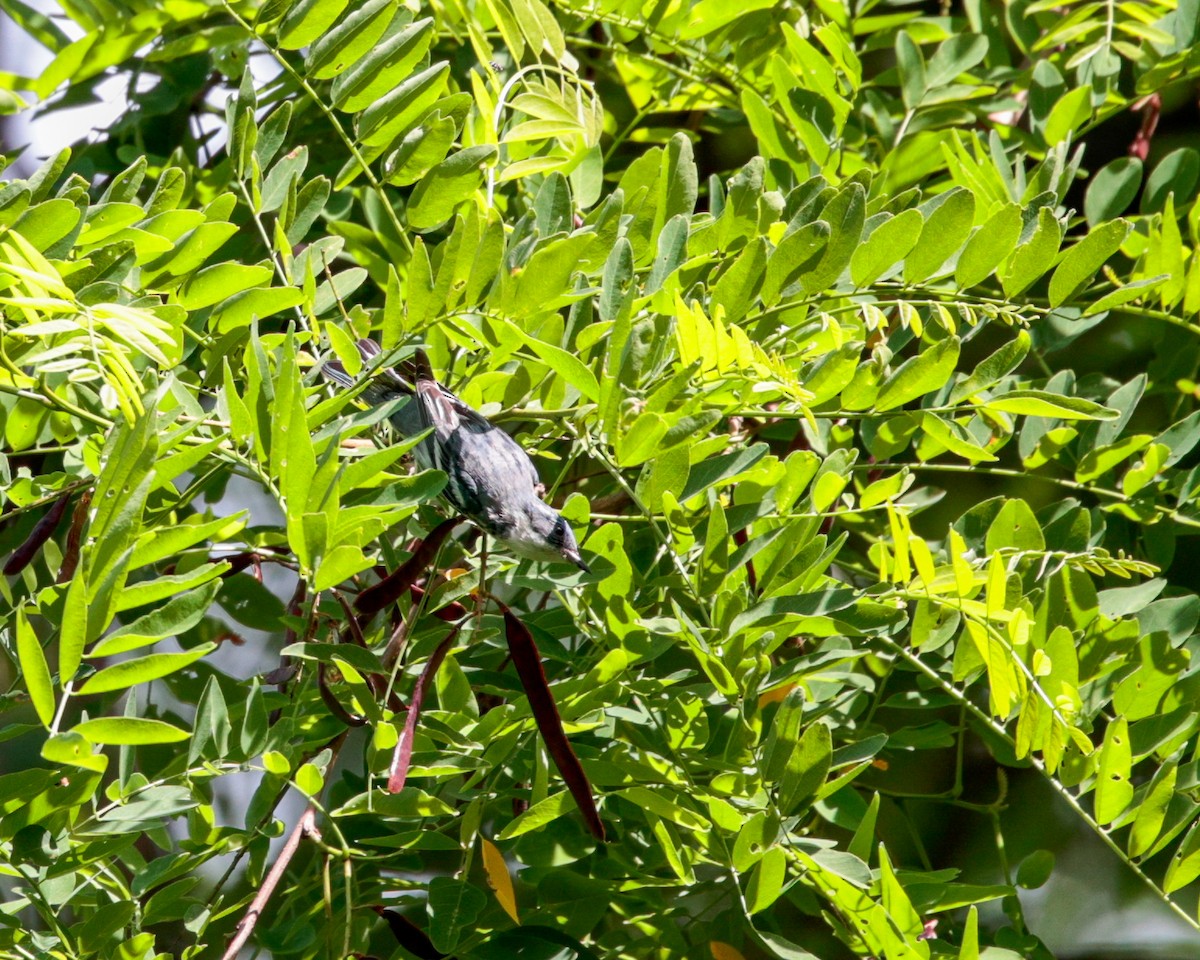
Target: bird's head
x,y
541,533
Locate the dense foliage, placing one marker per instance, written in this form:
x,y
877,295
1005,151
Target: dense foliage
x,y
870,393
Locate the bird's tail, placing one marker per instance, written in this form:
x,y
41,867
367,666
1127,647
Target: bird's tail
x,y
418,368
386,381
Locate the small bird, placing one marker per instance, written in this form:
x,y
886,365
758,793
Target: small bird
x,y
490,478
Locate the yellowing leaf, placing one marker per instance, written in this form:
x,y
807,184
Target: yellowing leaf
x,y
499,879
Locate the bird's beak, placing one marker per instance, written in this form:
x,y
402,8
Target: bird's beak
x,y
576,559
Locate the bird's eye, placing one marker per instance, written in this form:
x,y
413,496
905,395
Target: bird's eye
x,y
558,534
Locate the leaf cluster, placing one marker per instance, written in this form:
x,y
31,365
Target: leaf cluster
x,y
862,495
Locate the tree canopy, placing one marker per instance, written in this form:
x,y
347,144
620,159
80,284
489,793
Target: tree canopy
x,y
857,341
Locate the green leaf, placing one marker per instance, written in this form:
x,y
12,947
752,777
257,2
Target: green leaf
x,y
896,902
783,948
128,673
672,252
1113,789
806,769
1081,262
134,731
954,56
1069,114
795,252
307,20
75,749
387,119
1152,811
1124,294
211,729
538,815
738,285
565,364
164,542
177,615
310,201
719,469
1039,403
1185,862
74,632
833,370
888,244
943,233
615,285
863,840
1015,528
660,805
349,40
1099,460
1176,173
845,214
308,780
453,906
709,16
422,148
919,375
34,669
447,185
1034,257
1112,190
992,369
384,67
766,880
952,436
339,565
989,246
911,65
784,735
640,442
40,27
970,939
167,585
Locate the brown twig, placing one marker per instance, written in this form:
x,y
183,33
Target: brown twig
x,y
305,825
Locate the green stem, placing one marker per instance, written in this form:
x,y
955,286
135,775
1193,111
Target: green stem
x,y
1066,484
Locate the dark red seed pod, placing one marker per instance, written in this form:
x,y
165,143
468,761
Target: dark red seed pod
x,y
411,937
388,590
451,612
42,531
335,705
75,538
402,758
240,561
528,661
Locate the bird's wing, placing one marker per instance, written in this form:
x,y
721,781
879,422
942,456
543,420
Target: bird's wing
x,y
333,370
491,464
446,412
368,349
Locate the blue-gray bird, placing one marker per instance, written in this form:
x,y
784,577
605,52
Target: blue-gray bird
x,y
490,478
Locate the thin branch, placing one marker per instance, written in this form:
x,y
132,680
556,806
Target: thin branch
x,y
1072,801
305,825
